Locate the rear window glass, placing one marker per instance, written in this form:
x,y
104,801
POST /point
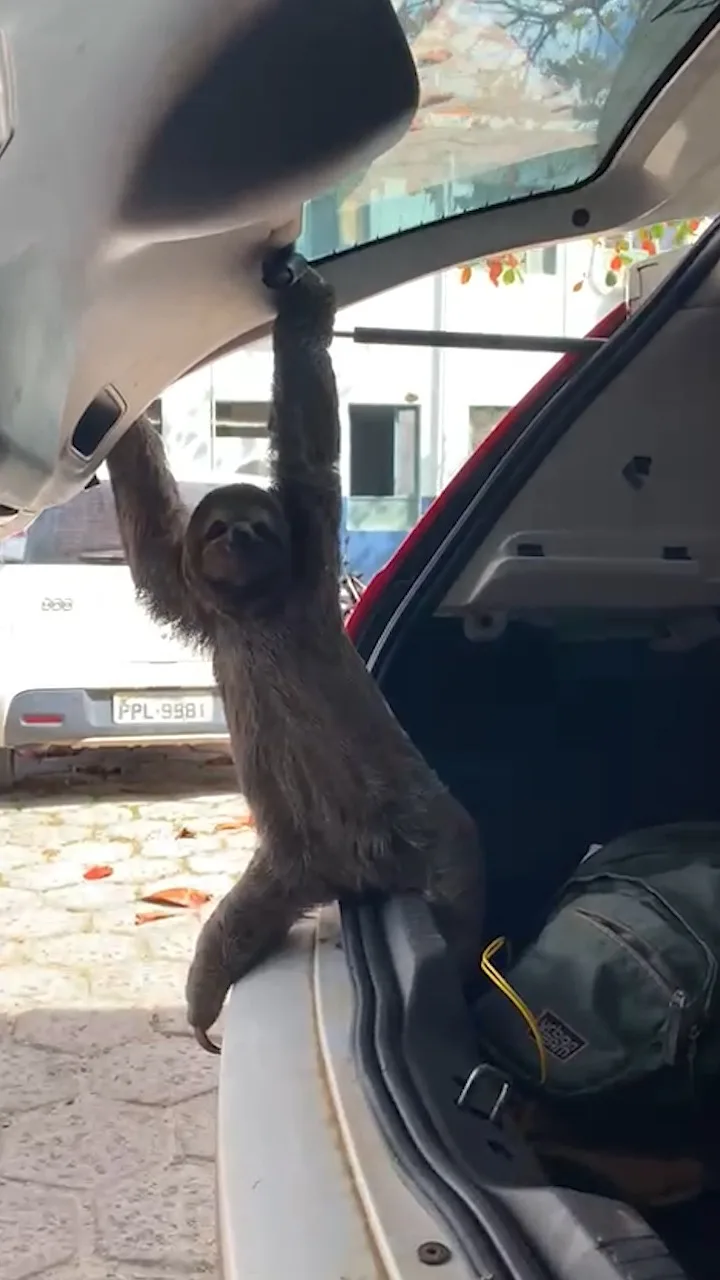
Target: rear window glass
x,y
518,98
85,530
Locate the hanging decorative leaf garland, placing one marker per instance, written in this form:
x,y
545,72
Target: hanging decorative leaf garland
x,y
610,256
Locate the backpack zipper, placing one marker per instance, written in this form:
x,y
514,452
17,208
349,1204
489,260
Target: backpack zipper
x,y
677,998
666,908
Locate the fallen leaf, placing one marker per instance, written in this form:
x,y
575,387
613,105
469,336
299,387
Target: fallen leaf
x,y
434,57
149,917
177,898
184,834
435,99
243,823
97,873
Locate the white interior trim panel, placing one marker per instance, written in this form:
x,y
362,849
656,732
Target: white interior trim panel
x,y
625,509
151,149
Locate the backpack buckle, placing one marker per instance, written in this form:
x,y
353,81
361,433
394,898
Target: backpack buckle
x,y
486,1070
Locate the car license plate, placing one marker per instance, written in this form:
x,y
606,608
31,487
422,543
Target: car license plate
x,y
142,708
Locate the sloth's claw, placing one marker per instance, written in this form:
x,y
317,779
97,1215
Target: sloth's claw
x,y
205,1042
282,268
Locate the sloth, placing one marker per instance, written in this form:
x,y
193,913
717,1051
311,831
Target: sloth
x,y
343,803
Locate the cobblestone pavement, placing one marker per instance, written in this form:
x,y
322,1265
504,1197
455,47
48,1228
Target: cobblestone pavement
x,y
107,1106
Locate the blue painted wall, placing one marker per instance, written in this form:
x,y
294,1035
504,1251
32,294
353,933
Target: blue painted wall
x,y
367,552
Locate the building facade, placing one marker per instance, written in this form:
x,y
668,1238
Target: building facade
x,y
410,416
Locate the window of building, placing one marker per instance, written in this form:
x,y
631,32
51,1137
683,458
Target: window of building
x,y
384,467
542,261
241,419
483,419
240,437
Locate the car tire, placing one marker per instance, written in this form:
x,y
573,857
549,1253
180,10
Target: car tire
x,y
7,769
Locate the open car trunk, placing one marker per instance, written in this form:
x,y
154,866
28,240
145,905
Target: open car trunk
x,y
555,744
560,669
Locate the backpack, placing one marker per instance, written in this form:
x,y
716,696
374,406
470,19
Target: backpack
x,y
622,982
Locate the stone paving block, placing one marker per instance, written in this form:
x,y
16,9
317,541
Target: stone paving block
x,y
117,919
29,1077
196,1127
82,1144
162,848
163,811
135,829
173,1022
42,875
149,985
145,873
89,895
82,1032
99,813
38,1229
83,950
80,854
157,1072
62,834
10,953
41,921
28,986
228,861
110,1099
204,838
35,837
11,856
200,815
167,1219
12,901
171,939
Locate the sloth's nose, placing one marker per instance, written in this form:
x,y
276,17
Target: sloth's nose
x,y
242,534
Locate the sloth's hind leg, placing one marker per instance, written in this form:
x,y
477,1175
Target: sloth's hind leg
x,y
246,925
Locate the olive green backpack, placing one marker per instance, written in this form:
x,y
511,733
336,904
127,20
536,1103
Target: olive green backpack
x,y
621,986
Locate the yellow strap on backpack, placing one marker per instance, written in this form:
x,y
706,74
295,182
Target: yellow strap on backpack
x,y
502,984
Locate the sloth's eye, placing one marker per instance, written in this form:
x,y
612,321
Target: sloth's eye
x,y
216,530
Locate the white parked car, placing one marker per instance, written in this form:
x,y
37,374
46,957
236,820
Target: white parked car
x,y
81,661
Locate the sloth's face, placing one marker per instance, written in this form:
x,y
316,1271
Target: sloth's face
x,y
238,538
